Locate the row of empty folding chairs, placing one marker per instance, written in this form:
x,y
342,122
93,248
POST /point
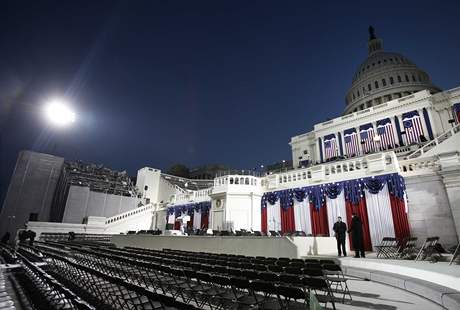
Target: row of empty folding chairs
x,y
267,269
110,289
42,291
407,248
214,288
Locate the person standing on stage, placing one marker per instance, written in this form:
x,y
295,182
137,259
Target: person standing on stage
x,y
340,230
356,231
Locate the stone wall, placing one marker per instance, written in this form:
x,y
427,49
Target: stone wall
x,y
429,209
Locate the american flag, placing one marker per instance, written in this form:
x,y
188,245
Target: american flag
x,y
386,134
330,146
412,126
456,108
366,133
351,142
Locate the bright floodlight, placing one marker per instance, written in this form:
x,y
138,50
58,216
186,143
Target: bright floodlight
x,y
59,114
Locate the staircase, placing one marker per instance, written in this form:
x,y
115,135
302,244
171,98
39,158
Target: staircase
x,y
435,142
136,219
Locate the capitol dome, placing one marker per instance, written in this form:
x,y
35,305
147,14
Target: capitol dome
x,y
384,76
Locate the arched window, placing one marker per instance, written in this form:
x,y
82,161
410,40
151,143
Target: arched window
x,y
384,82
399,79
241,181
231,180
358,92
407,78
368,87
237,181
281,180
376,84
391,80
413,78
246,181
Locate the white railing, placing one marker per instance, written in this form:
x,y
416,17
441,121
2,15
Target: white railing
x,y
192,196
122,216
439,139
336,171
419,165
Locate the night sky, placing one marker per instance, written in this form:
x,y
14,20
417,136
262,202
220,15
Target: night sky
x,y
161,82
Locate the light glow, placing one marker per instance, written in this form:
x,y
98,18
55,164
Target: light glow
x,y
59,113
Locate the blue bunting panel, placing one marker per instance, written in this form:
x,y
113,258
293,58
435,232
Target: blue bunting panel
x,y
353,191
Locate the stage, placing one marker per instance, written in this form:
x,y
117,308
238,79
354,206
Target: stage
x,y
292,247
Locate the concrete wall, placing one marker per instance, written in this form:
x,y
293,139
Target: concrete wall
x,y
82,202
31,190
429,209
295,247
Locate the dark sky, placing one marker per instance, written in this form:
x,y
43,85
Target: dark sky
x,y
160,82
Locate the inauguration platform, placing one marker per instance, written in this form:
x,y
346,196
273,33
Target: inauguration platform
x,y
292,247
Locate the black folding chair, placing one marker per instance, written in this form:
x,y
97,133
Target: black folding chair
x,y
337,280
429,250
292,298
455,254
388,248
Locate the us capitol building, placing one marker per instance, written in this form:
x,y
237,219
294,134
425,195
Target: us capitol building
x,y
397,137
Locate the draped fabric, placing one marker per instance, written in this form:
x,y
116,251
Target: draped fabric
x,y
171,218
350,137
335,208
366,133
380,202
428,123
287,220
302,216
330,146
190,223
400,220
264,220
412,127
380,215
319,224
196,219
274,216
386,134
177,224
360,210
456,110
205,220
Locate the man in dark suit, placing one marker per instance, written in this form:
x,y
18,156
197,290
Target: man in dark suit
x,y
340,229
356,231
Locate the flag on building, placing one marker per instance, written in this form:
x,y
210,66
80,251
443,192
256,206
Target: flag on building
x,y
351,142
366,133
456,108
330,146
386,134
412,127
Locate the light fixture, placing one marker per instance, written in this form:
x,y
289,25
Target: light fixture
x,y
59,113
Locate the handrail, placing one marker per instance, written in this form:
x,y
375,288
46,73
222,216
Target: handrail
x,y
127,214
442,137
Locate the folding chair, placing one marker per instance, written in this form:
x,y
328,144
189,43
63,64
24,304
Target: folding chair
x,y
321,289
264,293
388,248
428,250
289,297
337,280
455,254
408,248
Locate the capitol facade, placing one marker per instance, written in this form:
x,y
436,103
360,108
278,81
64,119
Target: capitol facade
x,y
393,156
